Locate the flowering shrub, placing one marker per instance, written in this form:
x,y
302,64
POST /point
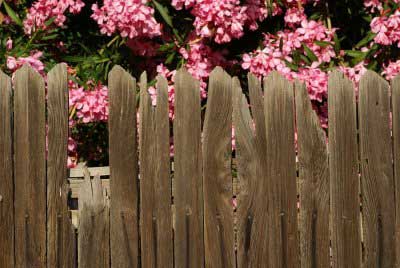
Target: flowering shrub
x,y
301,39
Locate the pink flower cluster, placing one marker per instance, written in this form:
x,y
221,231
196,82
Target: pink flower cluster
x,y
278,54
33,60
391,70
131,18
44,10
88,105
201,60
223,20
387,29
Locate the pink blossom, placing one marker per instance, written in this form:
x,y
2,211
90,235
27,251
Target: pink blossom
x,y
294,16
44,10
354,73
391,70
131,18
223,20
387,29
9,44
89,105
33,60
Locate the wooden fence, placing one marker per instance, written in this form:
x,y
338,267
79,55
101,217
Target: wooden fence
x,y
338,205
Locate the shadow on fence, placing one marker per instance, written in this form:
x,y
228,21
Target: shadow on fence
x,y
183,216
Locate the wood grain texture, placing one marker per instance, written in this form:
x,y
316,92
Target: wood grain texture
x,y
147,177
219,239
124,221
6,175
155,181
281,172
314,181
30,169
251,220
93,231
343,170
395,84
377,184
163,184
59,224
188,199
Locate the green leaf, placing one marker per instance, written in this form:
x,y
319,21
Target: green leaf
x,y
170,58
49,21
164,13
50,37
12,14
323,43
337,46
292,66
310,54
355,54
370,36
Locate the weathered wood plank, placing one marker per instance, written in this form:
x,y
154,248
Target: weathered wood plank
x,y
219,239
58,220
188,241
281,172
396,159
6,175
78,171
251,251
147,154
163,184
314,181
124,223
30,169
343,170
377,182
93,231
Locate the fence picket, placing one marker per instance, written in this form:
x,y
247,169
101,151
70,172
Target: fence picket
x,y
396,160
163,191
376,172
6,175
188,241
251,215
343,172
281,172
217,178
156,214
30,169
124,221
93,231
314,183
59,225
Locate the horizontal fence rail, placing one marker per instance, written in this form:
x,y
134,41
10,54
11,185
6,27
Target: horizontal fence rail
x,y
288,194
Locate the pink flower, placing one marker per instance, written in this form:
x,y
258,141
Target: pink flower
x,y
9,44
294,16
131,18
33,60
223,20
391,70
44,10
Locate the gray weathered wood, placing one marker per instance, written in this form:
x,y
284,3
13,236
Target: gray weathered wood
x,y
155,183
219,240
30,169
58,220
314,183
163,184
188,241
147,152
343,170
6,175
93,231
124,222
251,250
396,159
376,172
281,172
